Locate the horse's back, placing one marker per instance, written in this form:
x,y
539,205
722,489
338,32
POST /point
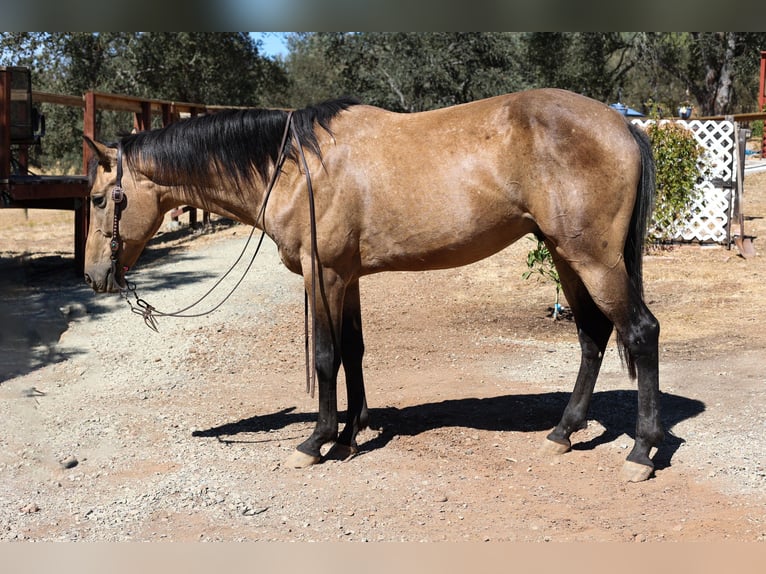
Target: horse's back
x,y
517,136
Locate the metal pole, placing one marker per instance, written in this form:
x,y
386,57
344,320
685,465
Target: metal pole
x,y
5,124
762,99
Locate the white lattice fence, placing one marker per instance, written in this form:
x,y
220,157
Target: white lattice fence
x,y
708,218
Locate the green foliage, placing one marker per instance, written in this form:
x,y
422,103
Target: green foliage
x,y
401,71
678,158
407,71
540,264
718,69
419,71
314,73
757,127
595,64
212,68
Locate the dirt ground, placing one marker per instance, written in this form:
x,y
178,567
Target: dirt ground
x,y
112,432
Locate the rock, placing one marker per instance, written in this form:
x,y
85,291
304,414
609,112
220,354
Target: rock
x,y
30,508
69,462
74,310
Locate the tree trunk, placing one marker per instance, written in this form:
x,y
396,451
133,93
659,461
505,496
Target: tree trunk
x,y
714,93
723,92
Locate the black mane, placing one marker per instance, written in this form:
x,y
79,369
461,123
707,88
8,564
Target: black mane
x,y
228,146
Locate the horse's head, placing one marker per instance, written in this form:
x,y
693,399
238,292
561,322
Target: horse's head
x,y
124,215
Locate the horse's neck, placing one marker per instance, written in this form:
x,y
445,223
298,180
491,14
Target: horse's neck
x,y
239,204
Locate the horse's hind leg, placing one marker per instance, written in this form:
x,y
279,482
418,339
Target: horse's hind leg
x,y
640,339
593,330
618,302
352,351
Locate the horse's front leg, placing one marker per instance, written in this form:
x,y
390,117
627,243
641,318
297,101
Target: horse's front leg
x,y
352,351
327,311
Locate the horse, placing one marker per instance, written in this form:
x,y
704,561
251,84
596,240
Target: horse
x,y
346,190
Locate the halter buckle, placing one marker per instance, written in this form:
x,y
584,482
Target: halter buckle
x,y
118,195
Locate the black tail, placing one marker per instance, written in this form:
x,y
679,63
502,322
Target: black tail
x,y
642,214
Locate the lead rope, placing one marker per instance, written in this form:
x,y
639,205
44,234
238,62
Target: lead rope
x,y
311,373
149,312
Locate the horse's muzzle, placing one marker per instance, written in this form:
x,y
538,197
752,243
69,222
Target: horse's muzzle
x,y
107,283
97,286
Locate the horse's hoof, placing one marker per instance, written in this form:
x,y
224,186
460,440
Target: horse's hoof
x,y
300,459
551,448
342,452
635,472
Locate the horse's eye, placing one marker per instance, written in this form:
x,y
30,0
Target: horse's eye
x,y
99,201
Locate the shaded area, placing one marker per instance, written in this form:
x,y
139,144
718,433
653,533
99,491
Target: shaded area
x,y
38,298
40,295
615,410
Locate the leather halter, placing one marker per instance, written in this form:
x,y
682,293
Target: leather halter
x,y
118,197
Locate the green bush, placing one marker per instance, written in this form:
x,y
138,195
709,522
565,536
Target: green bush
x,y
540,262
757,127
679,163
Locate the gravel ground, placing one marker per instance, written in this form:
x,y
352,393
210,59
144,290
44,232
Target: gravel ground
x,y
62,435
110,431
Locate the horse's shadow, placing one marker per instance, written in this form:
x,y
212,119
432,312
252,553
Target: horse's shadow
x,y
615,410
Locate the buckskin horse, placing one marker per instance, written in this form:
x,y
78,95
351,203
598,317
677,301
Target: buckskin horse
x,y
379,191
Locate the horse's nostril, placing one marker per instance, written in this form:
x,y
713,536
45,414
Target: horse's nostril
x,y
88,280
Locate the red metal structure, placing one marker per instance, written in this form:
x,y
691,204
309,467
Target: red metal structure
x,y
20,189
17,187
762,98
762,89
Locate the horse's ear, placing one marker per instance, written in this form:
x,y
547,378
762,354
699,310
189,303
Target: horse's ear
x,y
103,153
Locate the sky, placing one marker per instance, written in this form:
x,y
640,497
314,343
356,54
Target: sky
x,y
273,43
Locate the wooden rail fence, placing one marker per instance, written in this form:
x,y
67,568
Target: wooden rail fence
x,y
20,189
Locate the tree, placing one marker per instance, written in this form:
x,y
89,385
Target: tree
x,y
314,76
207,67
595,64
197,67
407,71
717,69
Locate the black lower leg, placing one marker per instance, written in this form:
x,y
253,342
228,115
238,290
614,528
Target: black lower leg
x,y
594,330
352,352
327,364
326,428
576,412
649,431
643,348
